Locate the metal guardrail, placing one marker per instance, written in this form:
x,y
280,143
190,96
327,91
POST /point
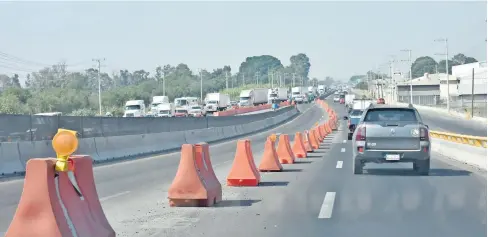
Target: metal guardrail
x,y
458,138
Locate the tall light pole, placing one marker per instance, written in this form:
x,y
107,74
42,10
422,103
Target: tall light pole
x,y
447,70
99,62
201,85
410,72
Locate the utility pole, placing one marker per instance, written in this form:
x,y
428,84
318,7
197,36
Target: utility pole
x,y
164,83
257,77
99,62
472,93
293,83
447,71
272,79
226,80
410,72
201,85
243,79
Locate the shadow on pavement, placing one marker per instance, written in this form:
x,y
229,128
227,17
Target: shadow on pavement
x,y
236,203
298,161
410,172
271,183
291,170
312,155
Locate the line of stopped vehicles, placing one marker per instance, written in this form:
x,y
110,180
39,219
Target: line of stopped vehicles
x,y
214,102
383,133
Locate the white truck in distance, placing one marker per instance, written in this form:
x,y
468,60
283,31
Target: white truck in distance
x,y
312,90
252,97
156,101
135,108
321,89
165,110
216,102
280,94
185,102
298,94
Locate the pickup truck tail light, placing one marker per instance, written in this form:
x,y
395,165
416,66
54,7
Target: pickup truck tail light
x,y
361,133
424,134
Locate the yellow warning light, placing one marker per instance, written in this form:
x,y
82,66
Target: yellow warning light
x,y
272,137
64,144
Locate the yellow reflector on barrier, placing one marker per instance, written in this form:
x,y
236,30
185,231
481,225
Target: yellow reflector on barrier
x,y
64,144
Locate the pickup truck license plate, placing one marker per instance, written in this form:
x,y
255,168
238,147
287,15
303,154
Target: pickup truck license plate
x,y
392,157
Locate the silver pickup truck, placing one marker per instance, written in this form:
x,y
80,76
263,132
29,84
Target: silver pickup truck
x,y
391,134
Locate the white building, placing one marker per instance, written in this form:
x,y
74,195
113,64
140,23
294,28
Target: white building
x,y
464,74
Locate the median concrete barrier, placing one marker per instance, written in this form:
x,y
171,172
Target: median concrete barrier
x,y
471,155
14,155
30,150
9,151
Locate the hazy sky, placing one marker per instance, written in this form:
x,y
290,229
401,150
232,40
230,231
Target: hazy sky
x,y
341,38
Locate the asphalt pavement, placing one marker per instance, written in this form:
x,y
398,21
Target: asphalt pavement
x,y
318,196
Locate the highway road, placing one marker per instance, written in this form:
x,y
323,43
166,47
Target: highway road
x,y
319,196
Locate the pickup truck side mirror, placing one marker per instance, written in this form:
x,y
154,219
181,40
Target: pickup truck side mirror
x,y
426,126
346,118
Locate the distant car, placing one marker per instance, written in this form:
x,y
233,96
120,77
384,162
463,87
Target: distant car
x,y
342,101
380,101
195,111
336,93
352,121
391,134
336,99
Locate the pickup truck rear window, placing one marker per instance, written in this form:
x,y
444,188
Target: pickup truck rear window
x,y
356,113
396,114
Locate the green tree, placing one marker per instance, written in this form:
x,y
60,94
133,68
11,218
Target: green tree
x,y
328,81
423,65
300,64
356,78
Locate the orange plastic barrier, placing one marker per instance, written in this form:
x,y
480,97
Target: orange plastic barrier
x,y
194,184
270,161
324,131
298,146
318,135
308,145
327,128
332,125
243,171
45,196
314,140
202,157
285,154
321,132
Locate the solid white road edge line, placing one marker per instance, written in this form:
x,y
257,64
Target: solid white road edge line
x,y
343,149
113,196
339,164
327,206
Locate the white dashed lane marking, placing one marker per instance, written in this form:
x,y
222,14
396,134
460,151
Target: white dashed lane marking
x,y
343,149
339,164
327,206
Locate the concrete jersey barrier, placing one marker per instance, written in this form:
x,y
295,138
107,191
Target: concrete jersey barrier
x,y
14,155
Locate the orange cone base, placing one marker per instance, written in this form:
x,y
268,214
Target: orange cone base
x,y
242,182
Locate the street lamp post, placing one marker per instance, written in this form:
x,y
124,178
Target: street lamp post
x,y
447,71
410,72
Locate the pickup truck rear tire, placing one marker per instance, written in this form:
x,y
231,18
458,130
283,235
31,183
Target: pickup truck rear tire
x,y
357,167
422,167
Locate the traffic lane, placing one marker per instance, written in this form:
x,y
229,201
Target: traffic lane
x,y
253,211
120,179
445,123
388,200
145,211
